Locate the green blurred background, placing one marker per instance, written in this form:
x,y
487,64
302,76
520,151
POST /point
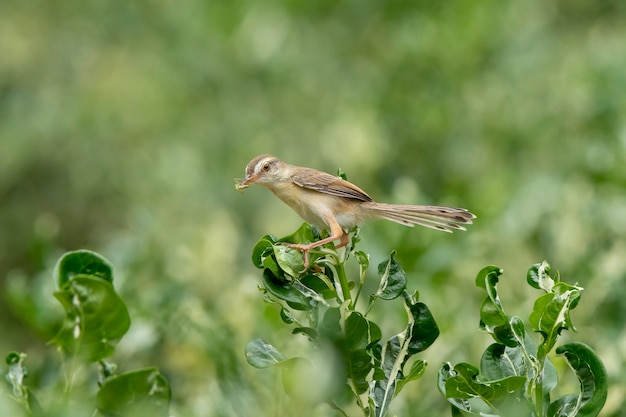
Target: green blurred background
x,y
123,124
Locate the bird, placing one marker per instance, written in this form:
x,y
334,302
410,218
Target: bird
x,y
332,203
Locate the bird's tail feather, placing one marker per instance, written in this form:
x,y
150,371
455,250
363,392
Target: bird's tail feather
x,y
445,219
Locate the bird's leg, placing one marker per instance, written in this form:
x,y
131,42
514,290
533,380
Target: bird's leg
x,y
336,233
345,239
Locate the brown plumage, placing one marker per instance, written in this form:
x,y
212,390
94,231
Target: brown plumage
x,y
329,202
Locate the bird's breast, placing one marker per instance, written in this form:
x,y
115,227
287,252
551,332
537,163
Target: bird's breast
x,y
319,209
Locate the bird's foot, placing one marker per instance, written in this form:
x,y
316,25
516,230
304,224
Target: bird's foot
x,y
302,248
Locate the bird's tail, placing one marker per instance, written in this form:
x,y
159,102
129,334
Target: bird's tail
x,y
445,219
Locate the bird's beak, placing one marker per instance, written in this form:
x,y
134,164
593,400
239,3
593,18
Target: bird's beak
x,y
245,182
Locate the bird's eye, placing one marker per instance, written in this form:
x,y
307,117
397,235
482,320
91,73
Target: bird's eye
x,y
266,167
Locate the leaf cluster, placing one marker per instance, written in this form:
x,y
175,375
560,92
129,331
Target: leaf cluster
x,y
516,376
96,319
354,364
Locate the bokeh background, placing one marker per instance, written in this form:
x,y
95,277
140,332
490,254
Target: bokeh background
x,y
123,124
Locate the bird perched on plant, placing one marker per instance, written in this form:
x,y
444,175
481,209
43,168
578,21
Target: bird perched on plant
x,y
332,203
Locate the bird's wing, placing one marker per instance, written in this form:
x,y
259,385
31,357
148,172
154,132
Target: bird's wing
x,y
328,184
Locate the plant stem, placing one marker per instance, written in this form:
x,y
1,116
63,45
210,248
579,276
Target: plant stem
x,y
343,281
539,398
539,388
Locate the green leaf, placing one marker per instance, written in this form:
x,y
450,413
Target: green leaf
x,y
314,298
145,392
96,318
488,276
424,330
81,262
309,332
354,240
262,249
551,314
538,277
493,319
357,331
417,370
392,279
500,361
285,291
289,260
360,333
286,316
321,284
491,312
445,373
359,366
363,259
261,354
593,381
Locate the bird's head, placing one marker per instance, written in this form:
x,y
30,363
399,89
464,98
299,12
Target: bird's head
x,y
263,170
